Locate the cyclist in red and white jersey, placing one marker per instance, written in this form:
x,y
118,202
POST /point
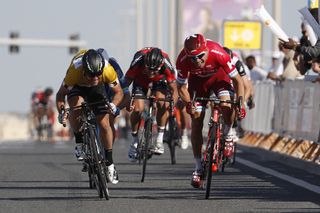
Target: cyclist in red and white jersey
x,y
150,68
206,67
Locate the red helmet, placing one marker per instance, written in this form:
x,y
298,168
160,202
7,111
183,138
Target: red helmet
x,y
195,44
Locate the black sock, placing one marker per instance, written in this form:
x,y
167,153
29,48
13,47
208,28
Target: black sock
x,y
108,156
78,136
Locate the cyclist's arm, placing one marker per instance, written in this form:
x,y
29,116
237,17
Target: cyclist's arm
x,y
174,91
239,87
247,87
60,96
184,93
118,94
127,81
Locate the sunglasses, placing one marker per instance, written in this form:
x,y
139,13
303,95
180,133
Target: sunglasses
x,y
92,75
196,57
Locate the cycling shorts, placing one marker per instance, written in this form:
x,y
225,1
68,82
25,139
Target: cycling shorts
x,y
90,95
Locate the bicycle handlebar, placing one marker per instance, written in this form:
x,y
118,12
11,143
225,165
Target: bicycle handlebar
x,y
153,98
86,104
218,101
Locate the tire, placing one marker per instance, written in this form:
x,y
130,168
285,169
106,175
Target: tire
x,y
99,163
92,184
145,148
212,140
171,139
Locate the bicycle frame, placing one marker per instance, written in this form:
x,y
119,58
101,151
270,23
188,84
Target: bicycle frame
x,y
172,134
146,141
94,152
214,159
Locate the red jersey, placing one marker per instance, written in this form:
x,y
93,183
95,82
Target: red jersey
x,y
218,61
37,97
138,71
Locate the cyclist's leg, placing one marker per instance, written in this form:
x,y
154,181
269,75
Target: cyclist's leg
x,y
125,102
196,129
97,93
184,123
135,119
226,92
75,98
161,90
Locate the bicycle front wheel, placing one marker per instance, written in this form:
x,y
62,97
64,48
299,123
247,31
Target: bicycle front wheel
x,y
100,167
173,128
145,150
209,160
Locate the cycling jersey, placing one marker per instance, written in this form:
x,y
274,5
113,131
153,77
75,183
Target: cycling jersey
x,y
217,58
138,71
75,73
215,75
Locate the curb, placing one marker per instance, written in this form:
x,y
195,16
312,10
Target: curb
x,y
270,153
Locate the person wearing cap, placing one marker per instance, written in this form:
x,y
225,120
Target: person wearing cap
x,y
204,66
88,71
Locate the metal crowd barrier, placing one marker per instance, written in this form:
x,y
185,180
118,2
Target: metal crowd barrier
x,y
289,108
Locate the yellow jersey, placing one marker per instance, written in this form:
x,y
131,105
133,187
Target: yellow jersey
x,y
75,73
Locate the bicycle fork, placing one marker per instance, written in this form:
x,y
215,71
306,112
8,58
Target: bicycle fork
x,y
214,120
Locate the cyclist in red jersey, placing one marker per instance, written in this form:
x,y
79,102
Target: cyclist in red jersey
x,y
43,105
150,68
204,66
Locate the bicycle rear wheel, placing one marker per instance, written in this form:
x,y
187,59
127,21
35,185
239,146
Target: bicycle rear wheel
x,y
145,148
100,167
210,156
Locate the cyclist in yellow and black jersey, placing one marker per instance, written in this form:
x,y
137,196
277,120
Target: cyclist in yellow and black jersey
x,y
85,79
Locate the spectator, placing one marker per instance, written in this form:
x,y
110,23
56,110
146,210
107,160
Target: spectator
x,y
316,69
276,68
256,73
305,52
289,69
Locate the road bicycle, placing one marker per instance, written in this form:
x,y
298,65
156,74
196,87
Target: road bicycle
x,y
94,161
172,134
213,156
146,142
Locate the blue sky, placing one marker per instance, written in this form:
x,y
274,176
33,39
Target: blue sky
x,y
109,24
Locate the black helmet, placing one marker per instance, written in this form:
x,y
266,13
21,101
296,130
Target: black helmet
x,y
154,59
228,51
93,62
48,91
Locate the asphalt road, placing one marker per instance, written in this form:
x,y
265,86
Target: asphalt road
x,y
45,177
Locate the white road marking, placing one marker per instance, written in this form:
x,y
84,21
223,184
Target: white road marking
x,y
296,181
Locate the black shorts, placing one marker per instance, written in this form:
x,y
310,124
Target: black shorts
x,y
90,95
156,86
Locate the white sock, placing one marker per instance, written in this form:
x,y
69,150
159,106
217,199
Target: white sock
x,y
184,132
160,134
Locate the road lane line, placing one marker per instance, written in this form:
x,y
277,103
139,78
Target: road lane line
x,y
296,181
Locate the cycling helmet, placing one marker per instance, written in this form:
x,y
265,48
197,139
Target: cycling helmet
x,y
48,91
154,59
230,53
195,44
93,63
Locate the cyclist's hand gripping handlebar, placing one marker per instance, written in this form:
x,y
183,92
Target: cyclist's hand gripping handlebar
x,y
241,110
63,116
